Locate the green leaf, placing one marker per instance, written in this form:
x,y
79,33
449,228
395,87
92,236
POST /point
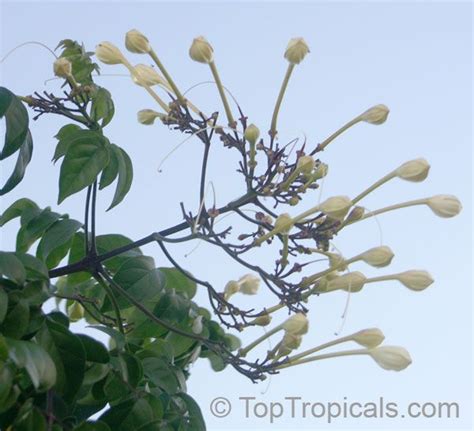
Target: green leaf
x,y
35,360
117,336
161,375
31,420
129,415
106,243
3,304
110,173
57,238
85,158
12,268
16,120
68,355
65,136
139,277
16,322
16,209
24,158
175,279
92,426
125,176
82,66
34,228
194,416
102,106
35,268
95,351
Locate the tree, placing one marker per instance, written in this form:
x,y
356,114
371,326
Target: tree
x,y
54,379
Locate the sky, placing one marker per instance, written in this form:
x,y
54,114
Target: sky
x,y
415,57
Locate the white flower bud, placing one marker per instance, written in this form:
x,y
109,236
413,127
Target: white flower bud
x,y
62,67
230,288
378,256
391,357
414,170
375,115
336,207
415,279
108,53
336,260
321,171
352,282
148,116
146,76
249,284
252,133
305,164
356,214
296,50
291,341
136,42
75,311
297,324
197,325
283,223
201,50
369,338
263,320
444,205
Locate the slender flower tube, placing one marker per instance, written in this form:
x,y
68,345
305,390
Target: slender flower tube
x,y
392,358
375,115
295,53
413,170
202,52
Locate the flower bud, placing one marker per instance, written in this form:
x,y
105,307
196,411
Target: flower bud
x,y
283,223
108,53
146,76
375,115
249,284
351,282
321,171
414,279
414,170
201,50
297,324
391,357
336,261
252,133
263,320
356,214
296,50
136,42
305,164
444,205
148,116
378,256
62,67
230,288
369,338
336,207
75,311
197,325
291,341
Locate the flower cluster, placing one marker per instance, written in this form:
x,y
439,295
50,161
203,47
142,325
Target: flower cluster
x,y
275,177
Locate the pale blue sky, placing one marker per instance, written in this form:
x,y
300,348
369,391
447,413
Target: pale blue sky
x,y
416,57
